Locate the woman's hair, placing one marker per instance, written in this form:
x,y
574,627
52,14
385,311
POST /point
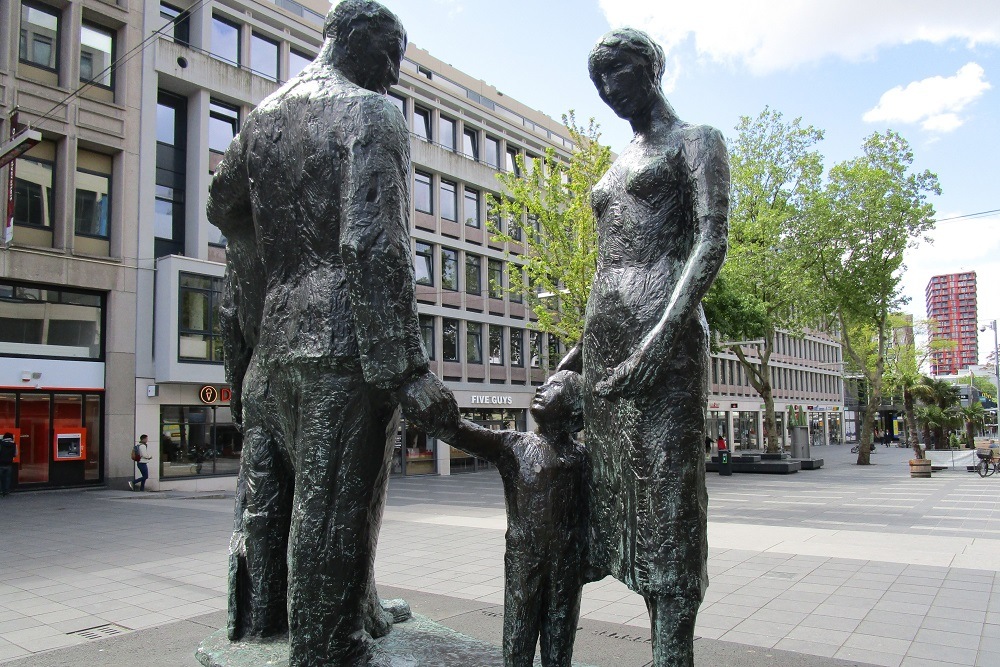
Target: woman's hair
x,y
630,40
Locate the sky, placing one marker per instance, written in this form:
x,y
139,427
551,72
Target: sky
x,y
927,69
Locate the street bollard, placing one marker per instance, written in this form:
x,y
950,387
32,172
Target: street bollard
x,y
725,463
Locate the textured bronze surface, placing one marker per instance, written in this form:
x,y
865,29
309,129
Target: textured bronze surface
x,y
322,342
662,223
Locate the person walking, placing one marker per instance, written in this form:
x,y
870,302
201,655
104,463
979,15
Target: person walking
x,y
142,449
8,450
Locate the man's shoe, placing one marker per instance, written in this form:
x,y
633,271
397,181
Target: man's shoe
x,y
131,486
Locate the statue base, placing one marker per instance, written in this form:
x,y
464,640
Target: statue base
x,y
417,642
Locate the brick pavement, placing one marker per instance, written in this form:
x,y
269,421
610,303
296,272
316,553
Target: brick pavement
x,y
860,564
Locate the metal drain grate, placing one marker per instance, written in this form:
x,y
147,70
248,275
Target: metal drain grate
x,y
101,631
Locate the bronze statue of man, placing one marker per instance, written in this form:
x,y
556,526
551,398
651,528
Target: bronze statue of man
x,y
322,340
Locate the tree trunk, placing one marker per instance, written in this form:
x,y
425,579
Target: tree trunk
x,y
865,443
970,434
771,436
911,423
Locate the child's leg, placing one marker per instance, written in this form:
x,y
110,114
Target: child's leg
x,y
561,616
523,609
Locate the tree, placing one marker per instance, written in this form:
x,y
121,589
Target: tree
x,y
872,209
903,363
974,415
941,411
775,171
547,209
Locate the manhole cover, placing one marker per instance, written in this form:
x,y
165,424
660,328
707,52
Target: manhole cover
x,y
101,631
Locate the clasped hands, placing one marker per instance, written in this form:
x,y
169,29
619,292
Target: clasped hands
x,y
430,406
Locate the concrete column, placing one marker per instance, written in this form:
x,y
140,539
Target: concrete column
x,y
64,182
284,52
201,28
196,234
69,47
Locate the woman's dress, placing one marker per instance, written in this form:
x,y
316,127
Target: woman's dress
x,y
647,492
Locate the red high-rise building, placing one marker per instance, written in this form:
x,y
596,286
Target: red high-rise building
x,y
951,307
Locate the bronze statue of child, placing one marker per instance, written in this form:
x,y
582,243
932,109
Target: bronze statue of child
x,y
544,483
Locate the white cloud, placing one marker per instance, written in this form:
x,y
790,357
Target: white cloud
x,y
770,35
934,102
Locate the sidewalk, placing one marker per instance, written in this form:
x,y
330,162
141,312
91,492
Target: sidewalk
x,y
862,565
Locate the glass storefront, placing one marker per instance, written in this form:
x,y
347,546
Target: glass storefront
x,y
415,452
198,440
496,420
745,433
59,436
817,429
836,426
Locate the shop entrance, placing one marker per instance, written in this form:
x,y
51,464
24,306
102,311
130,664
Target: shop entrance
x,y
58,436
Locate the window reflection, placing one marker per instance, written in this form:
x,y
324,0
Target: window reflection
x,y
225,40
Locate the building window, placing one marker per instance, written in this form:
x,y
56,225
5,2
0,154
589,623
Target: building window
x,y
399,102
422,123
297,62
40,321
97,49
424,264
93,194
264,56
446,132
449,201
472,208
492,153
474,342
225,40
473,274
449,269
422,200
512,162
535,350
181,19
223,125
198,440
516,347
496,345
200,338
496,278
449,339
39,43
470,144
515,296
427,335
33,183
171,138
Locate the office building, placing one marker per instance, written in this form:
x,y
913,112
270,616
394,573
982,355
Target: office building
x,y
952,310
68,272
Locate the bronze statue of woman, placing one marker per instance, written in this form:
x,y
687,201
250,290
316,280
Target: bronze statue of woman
x,y
662,229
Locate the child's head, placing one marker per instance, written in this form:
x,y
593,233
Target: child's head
x,y
559,402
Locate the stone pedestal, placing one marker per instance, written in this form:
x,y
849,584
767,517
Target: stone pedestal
x,y
419,642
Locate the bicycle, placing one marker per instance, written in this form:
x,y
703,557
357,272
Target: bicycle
x,y
988,462
857,448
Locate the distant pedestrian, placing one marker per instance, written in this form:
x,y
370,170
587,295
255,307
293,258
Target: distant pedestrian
x,y
8,450
721,443
142,451
708,444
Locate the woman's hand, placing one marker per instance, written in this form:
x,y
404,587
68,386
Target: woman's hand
x,y
632,377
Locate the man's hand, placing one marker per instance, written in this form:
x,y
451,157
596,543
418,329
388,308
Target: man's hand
x,y
430,406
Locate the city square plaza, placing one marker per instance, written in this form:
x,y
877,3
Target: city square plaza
x,y
845,565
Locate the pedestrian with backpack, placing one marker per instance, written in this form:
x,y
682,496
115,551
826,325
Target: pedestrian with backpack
x,y
140,454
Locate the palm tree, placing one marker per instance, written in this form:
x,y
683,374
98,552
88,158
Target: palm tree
x,y
942,401
912,387
974,415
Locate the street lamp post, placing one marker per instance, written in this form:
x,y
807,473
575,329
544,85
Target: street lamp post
x,y
996,365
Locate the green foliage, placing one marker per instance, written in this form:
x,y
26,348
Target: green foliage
x,y
872,209
775,172
549,209
985,387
